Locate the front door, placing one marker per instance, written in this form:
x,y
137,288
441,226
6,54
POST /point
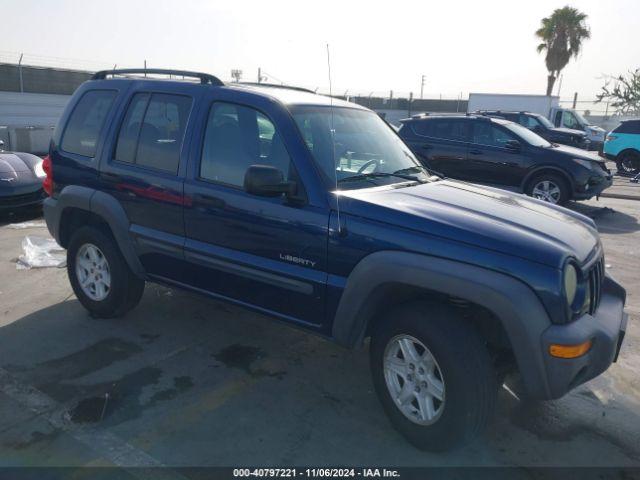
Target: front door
x,y
267,253
490,161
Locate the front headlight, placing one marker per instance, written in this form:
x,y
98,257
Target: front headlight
x,y
39,171
570,284
585,163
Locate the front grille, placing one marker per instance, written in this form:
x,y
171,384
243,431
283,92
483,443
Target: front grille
x,y
596,276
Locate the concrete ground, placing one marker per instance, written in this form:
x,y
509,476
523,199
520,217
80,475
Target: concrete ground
x,y
187,381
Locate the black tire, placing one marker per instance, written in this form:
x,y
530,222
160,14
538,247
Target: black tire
x,y
628,163
558,180
470,383
126,289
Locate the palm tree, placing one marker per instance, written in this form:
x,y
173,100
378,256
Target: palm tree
x,y
562,35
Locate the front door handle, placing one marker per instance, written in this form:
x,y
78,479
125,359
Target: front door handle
x,y
475,152
208,200
426,146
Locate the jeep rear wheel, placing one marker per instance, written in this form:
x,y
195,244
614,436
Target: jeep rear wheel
x,y
99,275
433,375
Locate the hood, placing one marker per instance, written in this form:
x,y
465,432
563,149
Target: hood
x,y
488,218
573,152
569,131
12,163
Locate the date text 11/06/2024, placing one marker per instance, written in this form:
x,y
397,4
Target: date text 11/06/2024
x,y
316,472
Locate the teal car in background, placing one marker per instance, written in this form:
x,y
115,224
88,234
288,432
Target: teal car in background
x,y
623,146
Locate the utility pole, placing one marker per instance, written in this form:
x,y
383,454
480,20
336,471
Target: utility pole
x,y
20,73
424,79
410,100
259,75
575,100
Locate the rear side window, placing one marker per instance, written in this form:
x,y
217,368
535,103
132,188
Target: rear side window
x,y
457,130
86,121
631,126
152,132
236,138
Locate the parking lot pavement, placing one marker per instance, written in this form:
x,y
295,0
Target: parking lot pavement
x,y
622,187
187,381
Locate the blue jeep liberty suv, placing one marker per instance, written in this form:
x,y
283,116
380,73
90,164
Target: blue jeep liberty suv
x,y
314,211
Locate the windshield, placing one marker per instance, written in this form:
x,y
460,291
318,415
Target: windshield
x,y
367,152
581,120
544,121
527,135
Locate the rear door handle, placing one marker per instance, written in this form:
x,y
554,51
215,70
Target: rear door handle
x,y
208,200
427,146
475,152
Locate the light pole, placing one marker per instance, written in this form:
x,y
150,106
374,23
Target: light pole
x,y
424,79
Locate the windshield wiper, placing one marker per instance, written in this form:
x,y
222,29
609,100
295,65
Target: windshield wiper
x,y
365,176
421,169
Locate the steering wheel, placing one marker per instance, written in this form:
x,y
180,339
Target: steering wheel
x,y
375,161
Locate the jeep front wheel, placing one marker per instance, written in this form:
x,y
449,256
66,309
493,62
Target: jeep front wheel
x,y
433,375
99,275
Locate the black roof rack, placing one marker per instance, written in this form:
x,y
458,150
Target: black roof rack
x,y
275,85
205,78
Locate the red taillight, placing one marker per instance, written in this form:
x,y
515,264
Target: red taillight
x,y
47,183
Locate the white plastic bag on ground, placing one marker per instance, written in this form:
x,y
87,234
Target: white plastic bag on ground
x,y
23,225
40,252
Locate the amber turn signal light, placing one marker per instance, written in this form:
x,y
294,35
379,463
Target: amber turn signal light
x,y
570,351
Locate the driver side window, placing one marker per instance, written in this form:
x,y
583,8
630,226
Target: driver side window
x,y
486,133
237,137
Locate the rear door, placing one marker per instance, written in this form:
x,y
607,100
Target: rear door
x,y
442,144
144,170
489,160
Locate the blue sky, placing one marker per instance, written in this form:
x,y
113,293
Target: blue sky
x,y
461,46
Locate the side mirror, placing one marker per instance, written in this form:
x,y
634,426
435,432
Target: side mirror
x,y
513,145
267,181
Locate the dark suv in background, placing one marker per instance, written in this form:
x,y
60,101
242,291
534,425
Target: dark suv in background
x,y
494,151
542,126
313,211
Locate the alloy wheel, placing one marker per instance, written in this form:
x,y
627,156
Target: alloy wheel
x,y
547,190
414,379
92,272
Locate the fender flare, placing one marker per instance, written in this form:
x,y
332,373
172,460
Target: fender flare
x,y
515,305
104,206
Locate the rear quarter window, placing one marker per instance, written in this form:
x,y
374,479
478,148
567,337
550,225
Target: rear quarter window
x,y
86,121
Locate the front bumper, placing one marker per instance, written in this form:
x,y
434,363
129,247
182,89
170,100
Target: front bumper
x,y
22,200
596,145
594,187
606,329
